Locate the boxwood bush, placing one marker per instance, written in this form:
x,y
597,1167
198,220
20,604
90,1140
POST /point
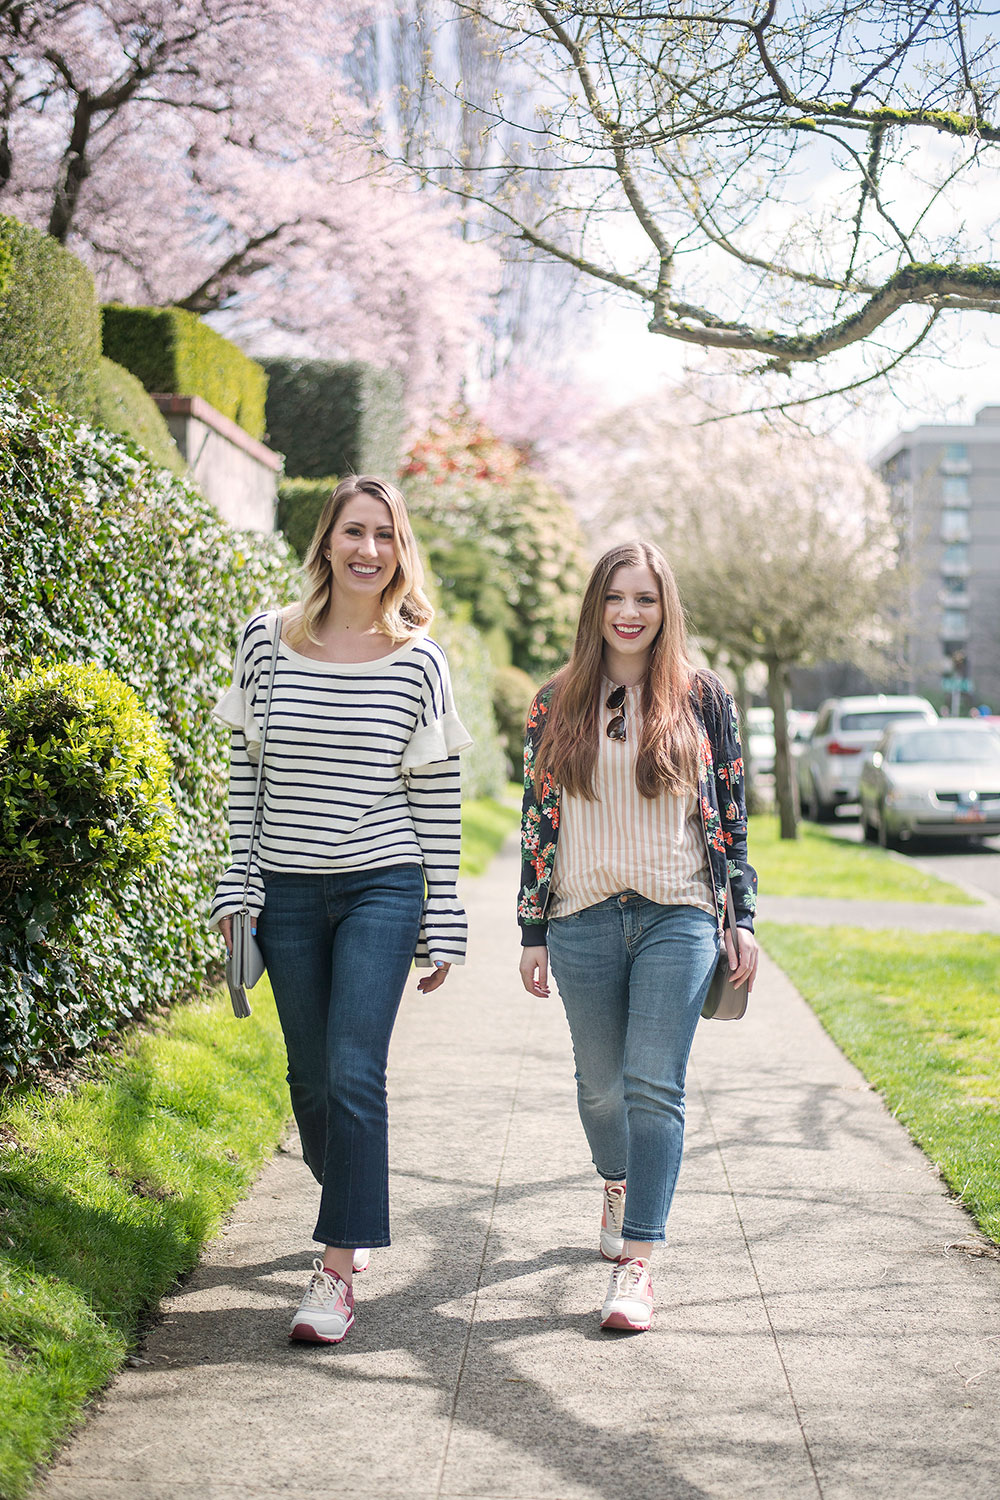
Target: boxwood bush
x,y
335,417
172,352
84,783
299,504
125,407
108,560
50,324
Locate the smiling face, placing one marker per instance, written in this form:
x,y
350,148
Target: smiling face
x,y
633,615
361,547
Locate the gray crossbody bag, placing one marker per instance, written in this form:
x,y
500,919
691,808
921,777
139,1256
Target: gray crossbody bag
x,y
245,962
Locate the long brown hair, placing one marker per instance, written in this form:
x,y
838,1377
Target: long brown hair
x,y
405,608
667,755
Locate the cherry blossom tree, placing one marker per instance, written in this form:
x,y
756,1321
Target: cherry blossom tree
x,y
184,148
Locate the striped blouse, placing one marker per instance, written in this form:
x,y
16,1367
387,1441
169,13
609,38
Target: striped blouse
x,y
361,770
622,841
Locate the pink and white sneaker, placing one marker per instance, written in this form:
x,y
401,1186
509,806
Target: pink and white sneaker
x,y
361,1260
612,1219
326,1311
629,1302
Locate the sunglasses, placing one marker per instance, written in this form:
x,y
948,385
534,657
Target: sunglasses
x,y
616,702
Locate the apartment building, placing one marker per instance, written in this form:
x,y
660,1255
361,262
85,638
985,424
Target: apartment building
x,y
945,487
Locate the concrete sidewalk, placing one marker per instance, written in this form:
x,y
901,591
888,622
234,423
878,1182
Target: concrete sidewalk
x,y
827,1321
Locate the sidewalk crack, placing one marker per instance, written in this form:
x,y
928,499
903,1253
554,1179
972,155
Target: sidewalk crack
x,y
760,1291
482,1260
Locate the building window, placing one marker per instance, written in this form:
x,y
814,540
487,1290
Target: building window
x,y
954,525
955,585
956,453
955,488
955,558
954,625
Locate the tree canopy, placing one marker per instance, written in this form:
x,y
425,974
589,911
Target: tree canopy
x,y
781,182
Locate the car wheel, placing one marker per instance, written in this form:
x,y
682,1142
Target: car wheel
x,y
817,811
886,839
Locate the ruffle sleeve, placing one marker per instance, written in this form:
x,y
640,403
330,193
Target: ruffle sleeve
x,y
439,733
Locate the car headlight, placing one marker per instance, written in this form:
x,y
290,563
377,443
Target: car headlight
x,y
906,800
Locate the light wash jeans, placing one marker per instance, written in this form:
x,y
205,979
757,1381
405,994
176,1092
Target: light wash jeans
x,y
338,950
633,976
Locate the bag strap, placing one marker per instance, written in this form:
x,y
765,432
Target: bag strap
x,y
260,762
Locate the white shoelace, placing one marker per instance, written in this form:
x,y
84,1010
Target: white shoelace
x,y
614,1199
628,1277
324,1287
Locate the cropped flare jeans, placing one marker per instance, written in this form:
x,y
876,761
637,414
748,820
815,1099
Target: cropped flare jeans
x,y
338,949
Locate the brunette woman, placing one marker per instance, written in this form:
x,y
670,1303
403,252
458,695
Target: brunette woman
x,y
633,811
360,813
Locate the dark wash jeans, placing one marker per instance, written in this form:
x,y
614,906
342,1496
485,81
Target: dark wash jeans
x,y
338,950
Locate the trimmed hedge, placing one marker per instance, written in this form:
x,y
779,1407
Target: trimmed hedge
x,y
299,504
124,407
50,325
332,417
105,558
172,352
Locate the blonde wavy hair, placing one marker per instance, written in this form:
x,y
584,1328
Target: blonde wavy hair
x,y
405,607
667,753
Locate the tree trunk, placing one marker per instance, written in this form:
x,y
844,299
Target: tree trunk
x,y
785,781
742,696
73,172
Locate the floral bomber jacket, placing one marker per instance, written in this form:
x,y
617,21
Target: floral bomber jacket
x,y
720,797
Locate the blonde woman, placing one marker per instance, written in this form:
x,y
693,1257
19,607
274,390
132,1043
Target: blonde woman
x,y
633,813
360,812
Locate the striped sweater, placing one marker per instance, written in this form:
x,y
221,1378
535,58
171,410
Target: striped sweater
x,y
361,770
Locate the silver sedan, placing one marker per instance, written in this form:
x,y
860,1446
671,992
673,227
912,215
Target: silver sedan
x,y
932,781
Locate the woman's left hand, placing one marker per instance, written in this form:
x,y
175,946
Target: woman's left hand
x,y
746,967
433,981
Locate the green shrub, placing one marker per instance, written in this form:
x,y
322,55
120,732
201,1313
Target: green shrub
x,y
124,407
331,417
108,559
172,352
84,782
50,329
513,691
299,504
484,773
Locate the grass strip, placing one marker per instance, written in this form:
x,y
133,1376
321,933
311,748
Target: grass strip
x,y
918,1014
485,825
107,1195
818,863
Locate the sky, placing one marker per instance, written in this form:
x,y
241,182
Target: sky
x,y
620,356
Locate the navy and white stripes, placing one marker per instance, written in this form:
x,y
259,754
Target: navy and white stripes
x,y
361,770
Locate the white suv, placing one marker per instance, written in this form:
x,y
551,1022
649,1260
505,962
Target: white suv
x,y
830,766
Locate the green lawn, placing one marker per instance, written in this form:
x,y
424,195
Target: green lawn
x,y
818,863
107,1195
485,825
918,1014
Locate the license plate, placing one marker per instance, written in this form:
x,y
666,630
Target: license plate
x,y
970,815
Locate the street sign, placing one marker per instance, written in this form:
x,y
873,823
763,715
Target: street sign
x,y
957,684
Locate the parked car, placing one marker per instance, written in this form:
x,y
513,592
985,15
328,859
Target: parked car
x,y
830,766
932,780
760,741
760,736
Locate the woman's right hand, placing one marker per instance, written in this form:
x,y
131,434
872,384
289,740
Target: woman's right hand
x,y
534,970
226,928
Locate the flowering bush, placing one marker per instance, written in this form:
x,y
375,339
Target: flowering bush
x,y
107,560
502,540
